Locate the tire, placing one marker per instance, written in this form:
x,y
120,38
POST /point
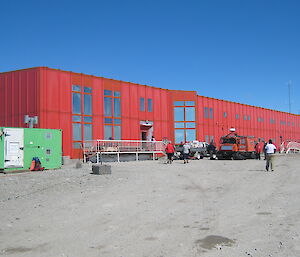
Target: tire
x,y
237,156
198,156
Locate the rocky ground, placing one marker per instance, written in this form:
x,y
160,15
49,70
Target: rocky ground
x,y
151,209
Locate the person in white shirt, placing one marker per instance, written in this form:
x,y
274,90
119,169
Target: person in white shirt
x,y
186,151
270,151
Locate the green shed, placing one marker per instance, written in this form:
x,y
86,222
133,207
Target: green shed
x,y
19,145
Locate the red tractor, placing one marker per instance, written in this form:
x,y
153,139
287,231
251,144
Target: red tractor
x,y
233,146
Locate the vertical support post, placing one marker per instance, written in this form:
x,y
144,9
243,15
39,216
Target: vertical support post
x,y
97,157
136,156
118,155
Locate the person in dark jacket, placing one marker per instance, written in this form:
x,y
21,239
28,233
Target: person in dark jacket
x,y
211,149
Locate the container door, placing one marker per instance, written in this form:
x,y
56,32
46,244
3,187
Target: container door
x,y
13,148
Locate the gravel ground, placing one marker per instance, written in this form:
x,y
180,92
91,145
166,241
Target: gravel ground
x,y
151,209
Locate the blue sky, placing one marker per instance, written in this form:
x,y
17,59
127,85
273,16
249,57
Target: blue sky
x,y
238,50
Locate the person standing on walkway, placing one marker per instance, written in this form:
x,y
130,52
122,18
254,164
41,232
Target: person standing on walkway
x,y
170,150
270,152
257,150
186,152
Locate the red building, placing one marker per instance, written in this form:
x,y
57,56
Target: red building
x,y
87,107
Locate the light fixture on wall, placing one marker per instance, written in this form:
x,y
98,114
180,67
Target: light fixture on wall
x,y
31,120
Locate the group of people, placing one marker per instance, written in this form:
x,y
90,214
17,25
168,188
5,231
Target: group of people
x,y
170,150
269,151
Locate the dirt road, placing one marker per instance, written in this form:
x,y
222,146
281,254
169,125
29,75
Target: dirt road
x,y
150,209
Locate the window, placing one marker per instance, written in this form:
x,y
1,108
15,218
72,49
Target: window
x,y
149,105
272,121
82,114
190,113
211,114
178,113
237,116
245,117
184,117
225,114
142,104
260,119
112,115
248,117
206,112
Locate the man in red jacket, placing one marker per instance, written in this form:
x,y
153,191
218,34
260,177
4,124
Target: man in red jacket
x,y
170,149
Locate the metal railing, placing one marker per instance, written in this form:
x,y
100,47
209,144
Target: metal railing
x,y
99,147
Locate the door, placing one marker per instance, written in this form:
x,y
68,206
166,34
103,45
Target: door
x,y
144,135
13,148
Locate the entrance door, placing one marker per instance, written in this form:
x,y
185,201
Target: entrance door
x,y
13,148
144,135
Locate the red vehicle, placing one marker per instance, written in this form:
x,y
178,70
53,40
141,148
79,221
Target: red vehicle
x,y
233,146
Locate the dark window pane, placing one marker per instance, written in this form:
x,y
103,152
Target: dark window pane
x,y
107,106
76,145
87,119
76,88
76,118
189,103
190,134
142,104
179,136
179,103
108,120
207,139
205,112
107,92
76,102
245,117
190,113
179,124
248,117
117,94
87,90
88,132
225,114
211,114
117,121
190,125
237,116
76,132
179,114
107,132
88,104
149,105
117,107
117,132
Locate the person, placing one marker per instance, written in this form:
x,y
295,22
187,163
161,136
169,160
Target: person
x,y
270,151
170,149
211,149
265,154
153,138
186,151
257,151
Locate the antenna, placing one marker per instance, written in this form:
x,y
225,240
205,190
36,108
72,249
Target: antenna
x,y
289,91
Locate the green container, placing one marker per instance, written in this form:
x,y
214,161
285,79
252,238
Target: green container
x,y
19,145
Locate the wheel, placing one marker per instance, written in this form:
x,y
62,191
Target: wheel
x,y
197,156
237,156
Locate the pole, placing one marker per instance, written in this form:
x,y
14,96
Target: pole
x,y
289,90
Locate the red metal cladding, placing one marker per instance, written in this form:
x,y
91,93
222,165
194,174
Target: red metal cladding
x,y
48,93
18,96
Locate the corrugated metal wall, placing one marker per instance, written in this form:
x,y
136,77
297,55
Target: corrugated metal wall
x,y
18,96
